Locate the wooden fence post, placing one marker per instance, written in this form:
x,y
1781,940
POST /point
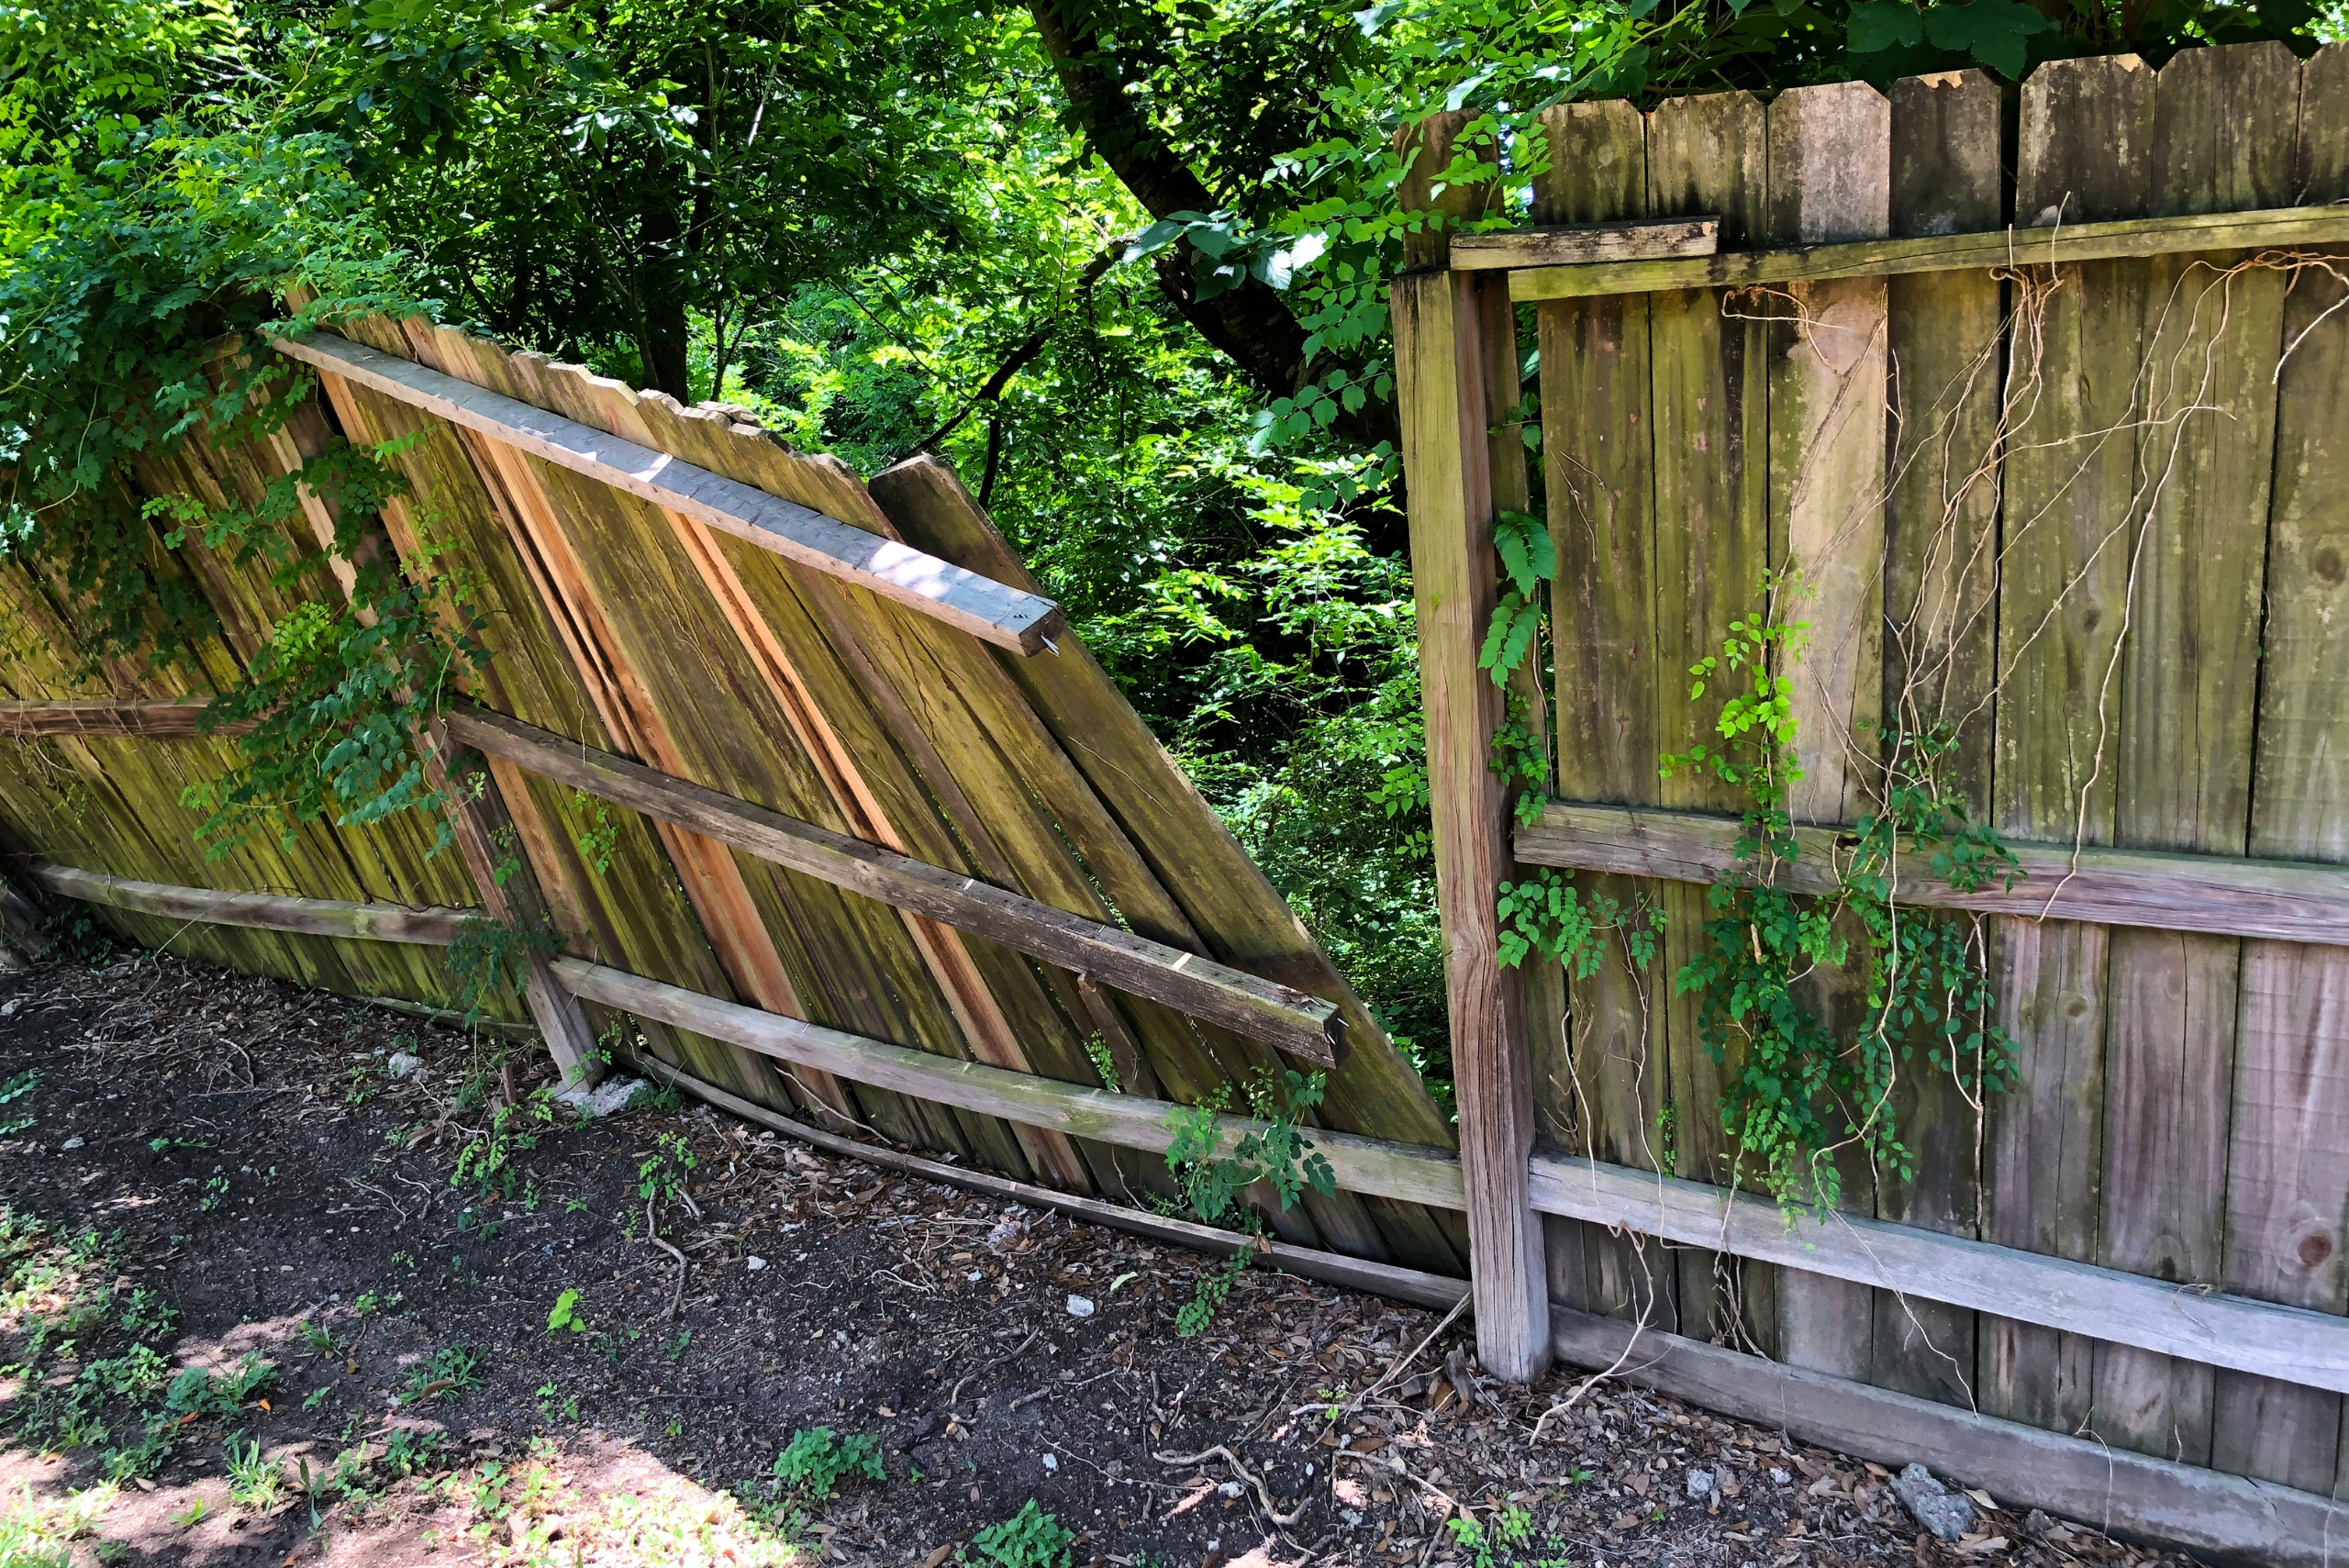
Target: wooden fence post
x,y
1448,326
20,933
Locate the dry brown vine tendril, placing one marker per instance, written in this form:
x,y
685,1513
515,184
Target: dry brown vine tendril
x,y
1264,1493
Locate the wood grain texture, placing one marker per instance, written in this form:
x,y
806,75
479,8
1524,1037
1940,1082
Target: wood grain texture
x,y
1598,1086
2224,128
1439,336
1398,1171
257,911
1830,179
1199,985
987,609
2287,1196
2224,1517
1998,248
2150,1313
2293,901
1710,420
1563,244
29,720
2083,153
1209,891
1945,333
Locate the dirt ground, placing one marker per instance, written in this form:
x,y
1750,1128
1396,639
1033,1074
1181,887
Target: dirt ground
x,y
274,1294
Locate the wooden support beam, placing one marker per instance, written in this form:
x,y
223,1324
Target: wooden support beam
x,y
1580,244
153,720
1007,616
21,939
2224,1517
1414,1286
1401,1170
2218,894
1448,327
2289,1343
260,911
1300,1024
2000,247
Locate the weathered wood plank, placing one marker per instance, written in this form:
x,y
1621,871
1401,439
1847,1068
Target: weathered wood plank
x,y
2082,155
1830,179
1261,1009
1172,869
1557,245
1401,1170
1598,1092
2128,1308
2288,1160
2224,128
2000,249
2216,894
259,911
2153,1500
1007,616
1443,334
1710,405
1945,333
174,717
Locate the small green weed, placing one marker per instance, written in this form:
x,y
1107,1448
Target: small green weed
x,y
565,1315
412,1450
453,1369
662,1175
1029,1538
15,1121
216,1192
200,1392
255,1484
146,1316
816,1460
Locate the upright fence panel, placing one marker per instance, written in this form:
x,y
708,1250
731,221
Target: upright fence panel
x,y
2056,504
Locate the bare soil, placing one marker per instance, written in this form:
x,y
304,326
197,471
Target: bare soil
x,y
226,1170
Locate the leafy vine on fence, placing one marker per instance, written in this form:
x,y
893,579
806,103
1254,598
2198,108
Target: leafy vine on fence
x,y
1275,1150
1801,1083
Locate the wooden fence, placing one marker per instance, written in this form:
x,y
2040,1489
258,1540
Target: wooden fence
x,y
816,788
2040,398
2042,401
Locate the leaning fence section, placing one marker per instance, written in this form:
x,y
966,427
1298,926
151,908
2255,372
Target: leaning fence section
x,y
2022,417
752,740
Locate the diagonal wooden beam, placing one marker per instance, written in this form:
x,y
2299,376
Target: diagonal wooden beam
x,y
994,612
1289,1019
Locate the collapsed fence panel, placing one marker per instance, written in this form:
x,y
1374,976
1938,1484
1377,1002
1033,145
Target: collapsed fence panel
x,y
2074,523
852,699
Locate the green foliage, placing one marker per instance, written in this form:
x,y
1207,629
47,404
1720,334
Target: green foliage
x,y
491,959
1797,1087
1029,1538
453,1369
816,1461
1274,1149
661,1175
200,1391
486,1164
14,1089
565,1314
255,1484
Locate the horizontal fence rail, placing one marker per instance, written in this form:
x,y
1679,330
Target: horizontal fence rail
x,y
2023,247
1263,1009
2214,894
1399,1171
1583,243
992,611
147,720
2283,1342
259,911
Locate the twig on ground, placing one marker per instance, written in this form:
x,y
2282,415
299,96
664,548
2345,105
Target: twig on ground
x,y
1264,1493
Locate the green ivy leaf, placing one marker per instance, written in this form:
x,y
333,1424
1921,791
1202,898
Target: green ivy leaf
x,y
1993,31
1878,25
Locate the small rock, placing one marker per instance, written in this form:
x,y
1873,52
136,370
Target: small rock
x,y
757,1264
1700,1485
1353,1519
1230,1488
72,1143
1052,1461
2036,1523
1007,1229
1945,1513
402,1064
8,1010
609,1097
1778,1475
1080,1307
